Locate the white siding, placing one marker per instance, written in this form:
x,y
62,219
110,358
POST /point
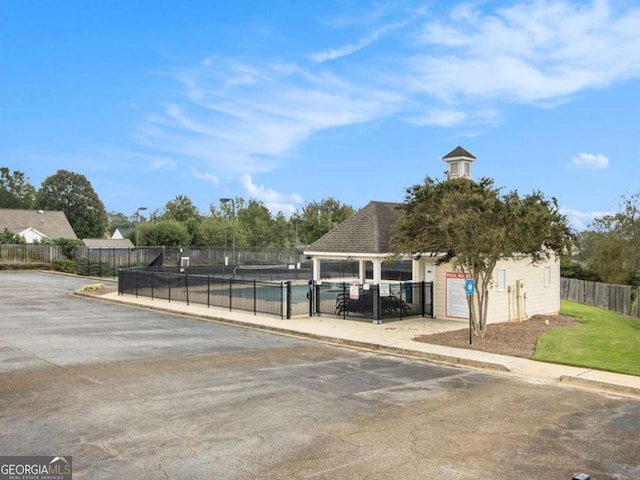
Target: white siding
x,y
534,297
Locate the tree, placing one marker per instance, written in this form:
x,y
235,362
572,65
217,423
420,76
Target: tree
x,y
614,245
181,209
254,222
7,237
15,190
118,220
73,194
317,218
472,226
170,233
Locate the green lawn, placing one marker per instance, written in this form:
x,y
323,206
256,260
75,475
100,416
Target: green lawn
x,y
604,341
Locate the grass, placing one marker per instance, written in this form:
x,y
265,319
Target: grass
x,y
603,341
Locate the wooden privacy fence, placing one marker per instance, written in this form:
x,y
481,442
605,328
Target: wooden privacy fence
x,y
28,253
622,299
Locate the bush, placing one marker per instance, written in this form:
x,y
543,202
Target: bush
x,y
65,266
90,268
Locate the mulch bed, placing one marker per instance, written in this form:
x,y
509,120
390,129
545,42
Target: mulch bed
x,y
514,339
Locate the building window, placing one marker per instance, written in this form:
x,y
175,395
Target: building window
x,y
454,168
502,280
467,170
547,276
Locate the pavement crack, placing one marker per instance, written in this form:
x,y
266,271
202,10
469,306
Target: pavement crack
x,y
163,470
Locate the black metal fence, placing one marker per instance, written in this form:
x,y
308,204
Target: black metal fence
x,y
284,299
373,302
248,295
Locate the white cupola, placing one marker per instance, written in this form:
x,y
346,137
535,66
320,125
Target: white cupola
x,y
458,163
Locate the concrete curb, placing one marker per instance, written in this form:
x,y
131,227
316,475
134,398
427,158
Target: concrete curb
x,y
592,384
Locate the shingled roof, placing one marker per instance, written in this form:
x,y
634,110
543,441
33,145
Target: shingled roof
x,y
458,152
107,242
367,231
53,224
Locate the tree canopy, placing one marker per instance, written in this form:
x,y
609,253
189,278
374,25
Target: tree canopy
x,y
473,226
316,218
73,194
15,190
612,248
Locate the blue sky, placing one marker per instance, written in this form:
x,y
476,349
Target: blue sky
x,y
294,101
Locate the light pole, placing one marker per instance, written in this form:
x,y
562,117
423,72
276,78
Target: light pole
x,y
233,215
137,214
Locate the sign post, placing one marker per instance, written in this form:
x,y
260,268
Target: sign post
x,y
470,289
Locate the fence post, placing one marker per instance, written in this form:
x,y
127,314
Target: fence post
x,y
255,299
376,303
230,294
289,300
344,297
170,279
208,290
423,289
153,281
136,282
316,289
186,286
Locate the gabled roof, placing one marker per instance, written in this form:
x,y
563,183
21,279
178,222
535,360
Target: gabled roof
x,y
458,152
123,231
107,243
53,224
366,231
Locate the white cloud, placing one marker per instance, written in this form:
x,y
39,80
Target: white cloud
x,y
442,118
578,220
537,52
345,50
206,177
273,200
236,125
590,161
232,118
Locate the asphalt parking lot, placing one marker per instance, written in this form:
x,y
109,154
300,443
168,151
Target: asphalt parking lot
x,y
133,393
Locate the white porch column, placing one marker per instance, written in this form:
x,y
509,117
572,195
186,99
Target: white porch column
x,y
377,271
316,269
417,274
361,271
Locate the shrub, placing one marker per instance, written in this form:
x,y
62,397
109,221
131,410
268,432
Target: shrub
x,y
65,266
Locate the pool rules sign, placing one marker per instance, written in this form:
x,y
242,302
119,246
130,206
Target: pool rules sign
x,y
457,304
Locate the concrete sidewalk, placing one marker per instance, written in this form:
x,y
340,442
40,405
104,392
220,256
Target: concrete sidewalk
x,y
395,338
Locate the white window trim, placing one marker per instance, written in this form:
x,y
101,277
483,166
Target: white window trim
x,y
547,276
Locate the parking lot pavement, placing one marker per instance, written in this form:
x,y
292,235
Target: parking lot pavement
x,y
141,394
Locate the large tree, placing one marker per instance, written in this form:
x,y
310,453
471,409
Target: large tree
x,y
169,233
15,190
74,195
473,226
316,218
614,244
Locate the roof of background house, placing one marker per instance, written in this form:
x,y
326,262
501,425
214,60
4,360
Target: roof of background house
x,y
107,243
366,231
124,231
54,224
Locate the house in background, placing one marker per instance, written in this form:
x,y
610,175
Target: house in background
x,y
36,225
519,288
122,233
108,243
